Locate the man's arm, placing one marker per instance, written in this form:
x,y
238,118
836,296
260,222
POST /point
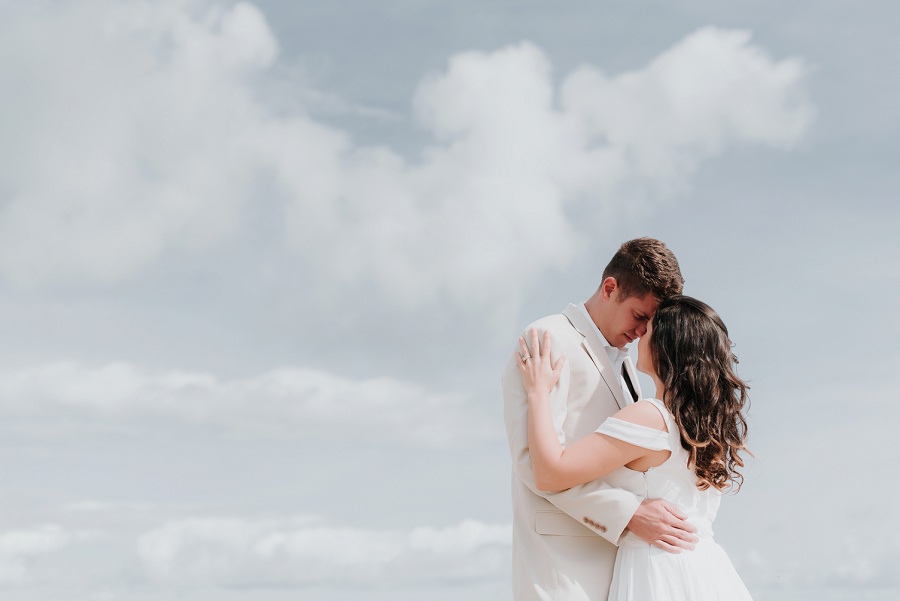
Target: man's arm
x,y
606,510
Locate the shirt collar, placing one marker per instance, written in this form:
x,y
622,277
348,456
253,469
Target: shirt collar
x,y
612,351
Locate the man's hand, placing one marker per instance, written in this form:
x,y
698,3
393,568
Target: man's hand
x,y
663,525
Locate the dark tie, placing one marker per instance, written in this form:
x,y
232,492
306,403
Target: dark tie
x,y
628,383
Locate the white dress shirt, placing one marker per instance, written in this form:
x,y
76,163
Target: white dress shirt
x,y
616,356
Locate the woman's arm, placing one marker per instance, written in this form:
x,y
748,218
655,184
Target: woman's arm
x,y
556,468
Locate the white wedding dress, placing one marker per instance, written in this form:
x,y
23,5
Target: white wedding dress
x,y
644,572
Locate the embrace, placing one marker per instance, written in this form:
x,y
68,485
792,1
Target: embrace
x,y
614,495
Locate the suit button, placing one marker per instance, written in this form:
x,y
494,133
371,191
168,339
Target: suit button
x,y
601,527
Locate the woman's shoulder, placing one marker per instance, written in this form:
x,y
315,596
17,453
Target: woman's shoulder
x,y
643,413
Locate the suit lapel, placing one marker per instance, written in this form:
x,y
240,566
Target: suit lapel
x,y
596,351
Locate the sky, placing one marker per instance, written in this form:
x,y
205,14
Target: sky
x,y
262,264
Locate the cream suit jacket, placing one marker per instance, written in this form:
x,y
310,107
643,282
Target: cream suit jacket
x,y
564,543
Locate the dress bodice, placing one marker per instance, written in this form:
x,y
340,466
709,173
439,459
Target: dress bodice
x,y
646,573
672,480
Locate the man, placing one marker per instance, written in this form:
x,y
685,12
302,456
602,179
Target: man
x,y
564,543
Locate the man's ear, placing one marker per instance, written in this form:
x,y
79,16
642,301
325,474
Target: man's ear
x,y
607,287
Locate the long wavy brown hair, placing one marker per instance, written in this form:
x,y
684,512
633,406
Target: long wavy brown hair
x,y
691,353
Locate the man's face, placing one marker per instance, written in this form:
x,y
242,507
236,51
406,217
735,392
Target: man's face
x,y
626,320
644,361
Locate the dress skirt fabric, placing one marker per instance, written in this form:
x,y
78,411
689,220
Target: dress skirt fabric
x,y
646,573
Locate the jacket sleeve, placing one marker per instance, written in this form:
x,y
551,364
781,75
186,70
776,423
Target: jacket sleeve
x,y
600,507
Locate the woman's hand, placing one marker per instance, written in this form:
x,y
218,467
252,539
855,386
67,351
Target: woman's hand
x,y
539,374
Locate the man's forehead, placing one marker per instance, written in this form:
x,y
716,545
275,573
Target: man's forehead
x,y
646,304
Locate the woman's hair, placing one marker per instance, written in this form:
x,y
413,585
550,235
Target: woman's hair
x,y
692,356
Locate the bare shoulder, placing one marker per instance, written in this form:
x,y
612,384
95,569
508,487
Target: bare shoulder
x,y
643,413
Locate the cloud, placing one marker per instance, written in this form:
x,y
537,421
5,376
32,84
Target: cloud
x,y
134,551
23,551
488,205
805,435
480,211
236,552
287,403
860,562
141,132
130,552
123,133
712,88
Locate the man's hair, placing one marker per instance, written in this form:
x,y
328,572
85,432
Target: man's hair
x,y
645,265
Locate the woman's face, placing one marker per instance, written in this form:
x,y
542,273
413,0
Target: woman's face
x,y
645,360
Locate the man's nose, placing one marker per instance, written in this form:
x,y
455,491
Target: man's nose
x,y
641,330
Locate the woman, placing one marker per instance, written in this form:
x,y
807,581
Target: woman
x,y
682,447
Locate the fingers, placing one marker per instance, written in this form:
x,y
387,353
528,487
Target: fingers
x,y
684,529
523,350
683,536
666,547
681,525
674,541
672,544
539,352
678,520
546,343
673,510
535,351
557,367
678,533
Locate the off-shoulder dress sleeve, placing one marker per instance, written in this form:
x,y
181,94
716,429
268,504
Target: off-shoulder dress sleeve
x,y
639,436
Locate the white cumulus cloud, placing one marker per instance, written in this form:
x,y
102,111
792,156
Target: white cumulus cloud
x,y
123,133
140,131
303,552
284,403
487,205
712,88
22,550
131,553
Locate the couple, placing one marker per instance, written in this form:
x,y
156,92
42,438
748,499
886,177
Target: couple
x,y
574,413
